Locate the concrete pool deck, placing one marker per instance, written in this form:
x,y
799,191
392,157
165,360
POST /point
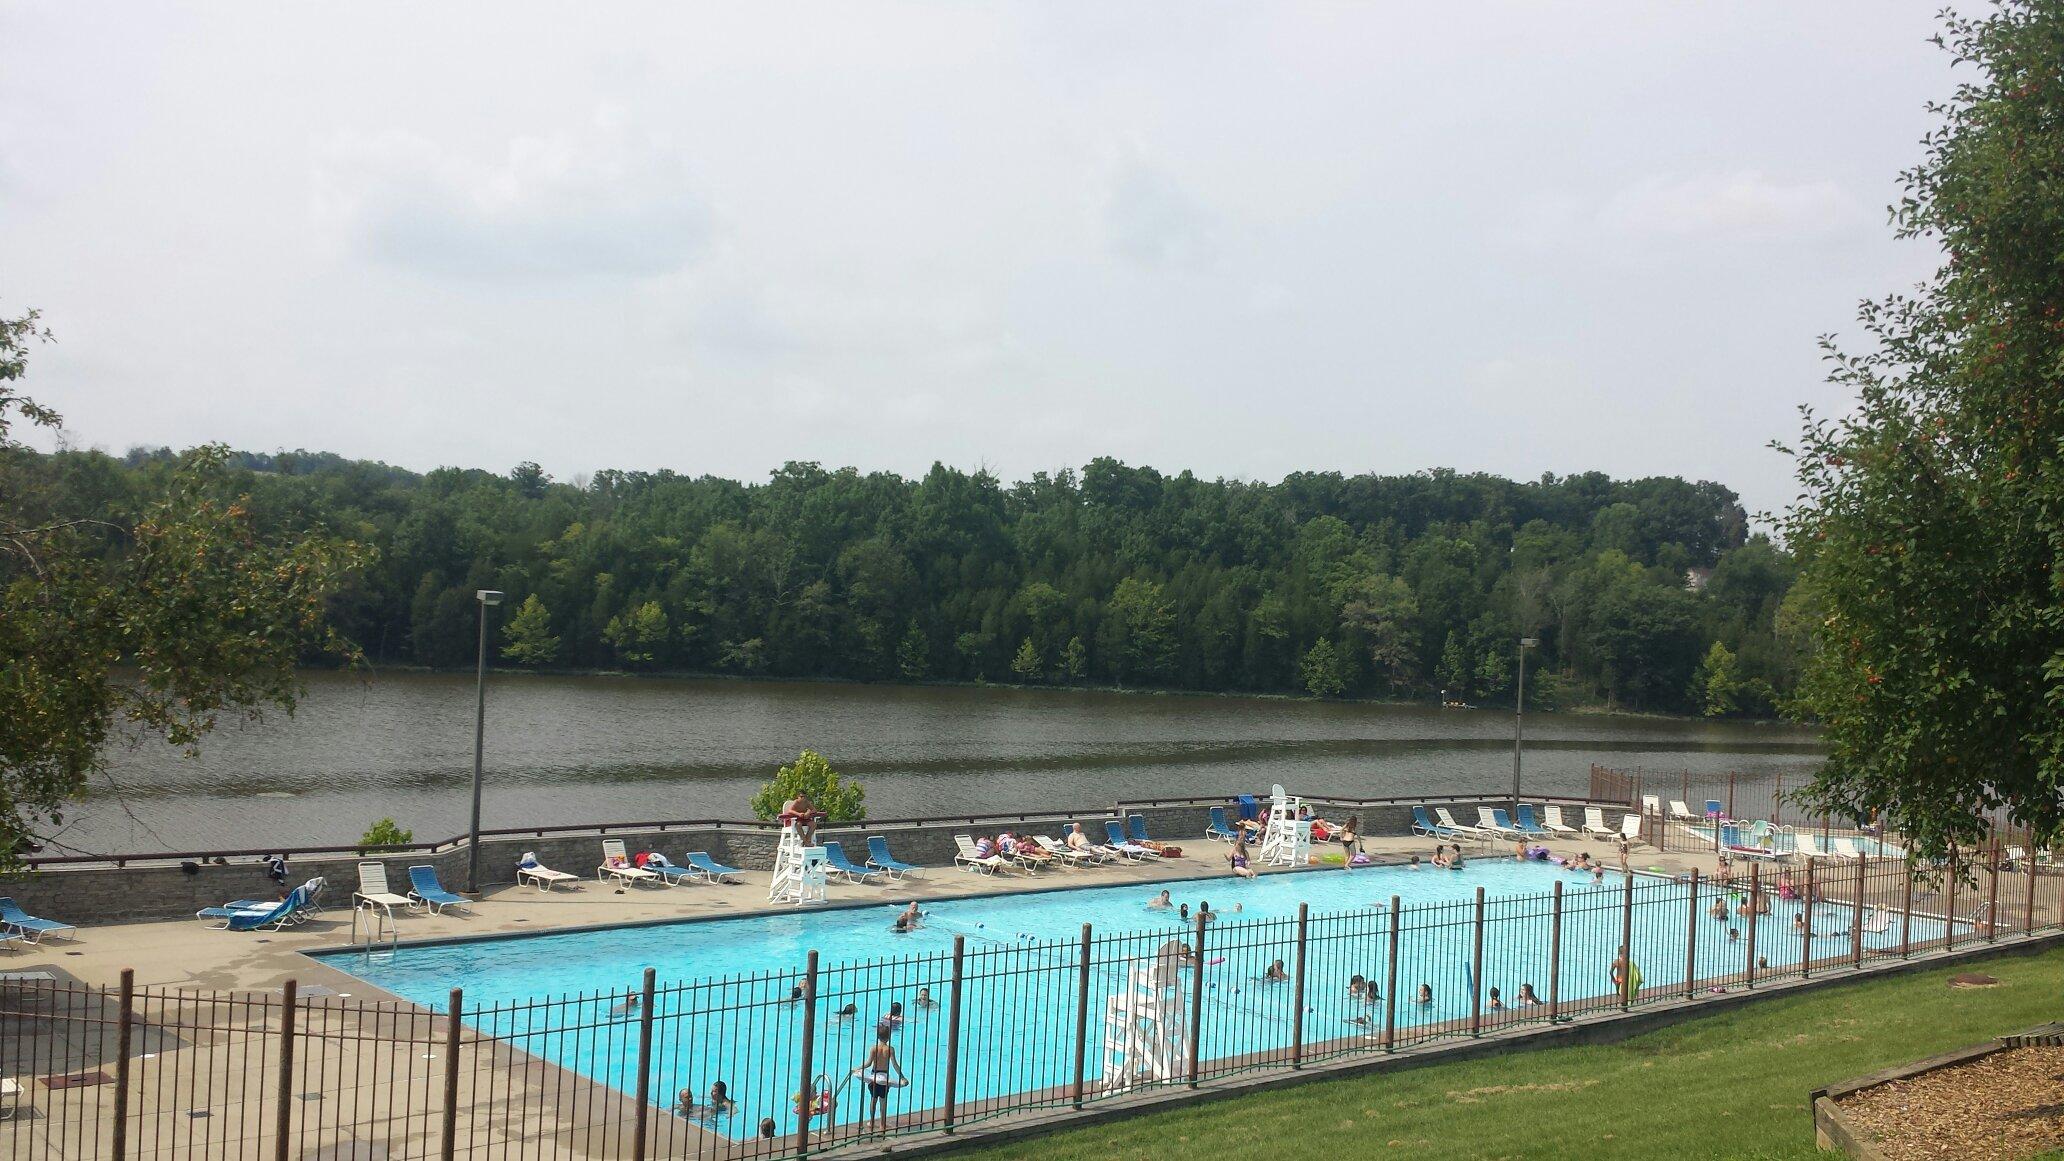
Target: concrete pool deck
x,y
188,954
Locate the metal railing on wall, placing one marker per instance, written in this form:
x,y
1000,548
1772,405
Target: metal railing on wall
x,y
777,1064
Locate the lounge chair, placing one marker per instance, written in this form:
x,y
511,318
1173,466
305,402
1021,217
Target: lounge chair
x,y
1136,830
878,856
1090,852
1680,812
1061,851
1125,846
311,894
1650,804
966,857
30,928
1804,843
428,892
1219,828
276,914
715,871
541,876
1491,820
373,892
1713,810
1630,827
1555,822
836,861
1423,825
1448,820
1527,825
674,875
1594,823
1846,848
616,864
1028,854
2015,857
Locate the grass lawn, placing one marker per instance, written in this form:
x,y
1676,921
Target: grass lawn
x,y
1727,1085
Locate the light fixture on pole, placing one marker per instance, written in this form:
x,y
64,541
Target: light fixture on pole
x,y
487,598
1519,718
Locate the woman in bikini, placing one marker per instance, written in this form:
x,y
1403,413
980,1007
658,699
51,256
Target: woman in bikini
x,y
1238,857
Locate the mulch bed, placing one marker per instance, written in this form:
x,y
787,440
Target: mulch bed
x,y
2000,1107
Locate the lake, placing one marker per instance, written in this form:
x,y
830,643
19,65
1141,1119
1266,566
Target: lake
x,y
580,749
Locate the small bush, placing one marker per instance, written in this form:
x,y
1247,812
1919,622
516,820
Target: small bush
x,y
812,775
386,833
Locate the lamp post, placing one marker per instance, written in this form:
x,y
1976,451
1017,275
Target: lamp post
x,y
487,598
1519,719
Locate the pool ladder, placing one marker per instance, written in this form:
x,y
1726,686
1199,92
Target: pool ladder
x,y
382,934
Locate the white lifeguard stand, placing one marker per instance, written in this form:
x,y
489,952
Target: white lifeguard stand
x,y
800,873
1286,842
1145,1035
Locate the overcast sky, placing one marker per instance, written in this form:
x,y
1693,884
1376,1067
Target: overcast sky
x,y
1239,239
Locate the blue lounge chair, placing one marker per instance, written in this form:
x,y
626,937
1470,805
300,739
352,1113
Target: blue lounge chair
x,y
1527,825
1136,830
30,928
717,871
1126,846
835,858
878,856
1502,823
425,889
1423,825
276,914
658,865
1219,829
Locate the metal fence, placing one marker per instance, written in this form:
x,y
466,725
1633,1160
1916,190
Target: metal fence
x,y
1002,1024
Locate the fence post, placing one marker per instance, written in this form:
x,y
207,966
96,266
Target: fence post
x,y
1856,918
806,1100
1730,794
1476,968
448,1139
1555,953
953,1033
1755,913
1081,1016
643,1117
1992,897
1197,1002
1691,938
1390,979
1297,995
125,1020
1626,986
2028,865
285,1118
1949,900
1906,911
1806,928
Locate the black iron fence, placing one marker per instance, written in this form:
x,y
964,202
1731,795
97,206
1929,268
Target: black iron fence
x,y
788,1064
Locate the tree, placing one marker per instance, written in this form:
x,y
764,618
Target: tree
x,y
1323,669
1074,660
1381,610
529,635
207,607
1932,515
386,833
638,634
810,773
1139,630
1027,664
1453,674
914,653
1717,686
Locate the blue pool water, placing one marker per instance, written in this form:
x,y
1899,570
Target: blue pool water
x,y
1020,1006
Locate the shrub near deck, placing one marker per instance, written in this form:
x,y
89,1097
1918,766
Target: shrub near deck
x,y
1729,1085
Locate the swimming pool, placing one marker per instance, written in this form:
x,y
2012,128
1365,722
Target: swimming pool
x,y
1022,989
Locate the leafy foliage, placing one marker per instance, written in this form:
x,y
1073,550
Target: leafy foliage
x,y
386,833
207,599
529,636
1933,515
811,774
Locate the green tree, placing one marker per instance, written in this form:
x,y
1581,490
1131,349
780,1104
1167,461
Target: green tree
x,y
529,635
1027,664
914,653
638,634
1074,660
1324,669
1381,610
1717,687
207,606
1933,513
810,773
1139,630
1454,673
386,833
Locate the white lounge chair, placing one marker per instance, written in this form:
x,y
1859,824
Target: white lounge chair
x,y
1682,813
373,892
1060,851
1594,823
1553,823
1448,820
1650,804
541,876
1487,823
1804,843
1846,848
616,864
965,856
1630,827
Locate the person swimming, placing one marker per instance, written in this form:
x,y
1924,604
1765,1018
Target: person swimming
x,y
1276,973
1526,997
1425,995
1161,902
924,1000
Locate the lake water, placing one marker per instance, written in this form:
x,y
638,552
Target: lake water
x,y
578,749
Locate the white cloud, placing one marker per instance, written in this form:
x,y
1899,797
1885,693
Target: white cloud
x,y
1743,203
602,201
